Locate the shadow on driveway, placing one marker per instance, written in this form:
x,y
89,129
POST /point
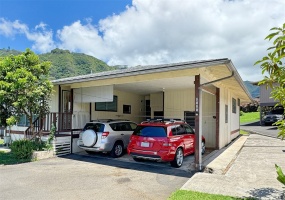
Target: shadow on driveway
x,y
252,124
129,165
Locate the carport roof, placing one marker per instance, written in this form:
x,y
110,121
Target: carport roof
x,y
212,69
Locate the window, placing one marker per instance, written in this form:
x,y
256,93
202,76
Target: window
x,y
188,129
226,114
234,105
127,109
107,106
150,131
24,121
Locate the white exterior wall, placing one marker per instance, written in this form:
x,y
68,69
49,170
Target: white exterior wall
x,y
208,119
137,108
54,100
156,102
230,130
81,115
224,134
178,101
235,119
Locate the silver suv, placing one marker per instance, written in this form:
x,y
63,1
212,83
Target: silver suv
x,y
106,136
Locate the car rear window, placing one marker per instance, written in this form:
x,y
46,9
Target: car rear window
x,y
97,127
150,131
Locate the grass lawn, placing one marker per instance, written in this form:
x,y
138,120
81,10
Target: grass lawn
x,y
185,195
249,117
7,158
1,141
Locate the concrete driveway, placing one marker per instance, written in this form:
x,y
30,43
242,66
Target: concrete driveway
x,y
255,127
246,168
87,177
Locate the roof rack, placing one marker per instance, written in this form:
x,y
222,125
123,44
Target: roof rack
x,y
109,120
163,120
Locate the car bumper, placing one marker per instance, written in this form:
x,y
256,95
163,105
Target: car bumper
x,y
152,155
103,147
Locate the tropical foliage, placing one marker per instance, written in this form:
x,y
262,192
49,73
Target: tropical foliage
x,y
273,65
66,64
25,88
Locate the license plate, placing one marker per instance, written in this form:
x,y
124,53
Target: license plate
x,y
145,144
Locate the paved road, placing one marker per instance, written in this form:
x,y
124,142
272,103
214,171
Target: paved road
x,y
86,177
250,174
255,127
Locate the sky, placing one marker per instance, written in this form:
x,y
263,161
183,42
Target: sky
x,y
145,32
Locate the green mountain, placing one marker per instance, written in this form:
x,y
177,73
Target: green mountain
x,y
254,90
66,64
8,52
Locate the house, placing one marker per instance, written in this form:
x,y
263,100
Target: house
x,y
207,94
267,102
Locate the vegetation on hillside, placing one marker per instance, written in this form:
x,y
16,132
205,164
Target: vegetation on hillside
x,y
67,64
254,90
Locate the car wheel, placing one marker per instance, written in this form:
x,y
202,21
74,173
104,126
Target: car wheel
x,y
137,159
89,138
203,147
117,150
178,159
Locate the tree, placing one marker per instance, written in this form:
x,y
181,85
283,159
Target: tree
x,y
25,88
273,64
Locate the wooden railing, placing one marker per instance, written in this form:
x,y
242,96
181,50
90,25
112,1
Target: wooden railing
x,y
62,122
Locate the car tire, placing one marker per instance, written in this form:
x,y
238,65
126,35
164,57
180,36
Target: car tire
x,y
117,150
89,138
178,159
203,147
89,152
137,159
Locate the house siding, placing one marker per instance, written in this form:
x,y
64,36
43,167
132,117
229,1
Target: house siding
x,y
136,102
265,95
178,101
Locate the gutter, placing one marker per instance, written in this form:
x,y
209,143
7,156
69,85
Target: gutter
x,y
239,79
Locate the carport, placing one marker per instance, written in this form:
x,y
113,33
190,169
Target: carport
x,y
206,94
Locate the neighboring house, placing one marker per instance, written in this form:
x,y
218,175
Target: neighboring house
x,y
156,91
267,103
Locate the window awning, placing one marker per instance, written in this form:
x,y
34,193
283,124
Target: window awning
x,y
93,94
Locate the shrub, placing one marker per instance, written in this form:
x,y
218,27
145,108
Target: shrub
x,y
281,176
22,149
241,113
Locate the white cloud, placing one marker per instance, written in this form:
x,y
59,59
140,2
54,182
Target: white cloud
x,y
165,31
10,29
42,38
153,32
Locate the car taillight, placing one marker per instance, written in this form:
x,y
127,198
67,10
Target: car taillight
x,y
167,144
104,135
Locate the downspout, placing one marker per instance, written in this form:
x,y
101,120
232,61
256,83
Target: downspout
x,y
199,164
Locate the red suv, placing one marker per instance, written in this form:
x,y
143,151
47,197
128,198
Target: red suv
x,y
163,140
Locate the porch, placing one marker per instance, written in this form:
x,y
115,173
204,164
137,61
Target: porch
x,y
64,135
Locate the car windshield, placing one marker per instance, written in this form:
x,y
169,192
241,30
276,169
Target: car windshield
x,y
150,131
97,127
